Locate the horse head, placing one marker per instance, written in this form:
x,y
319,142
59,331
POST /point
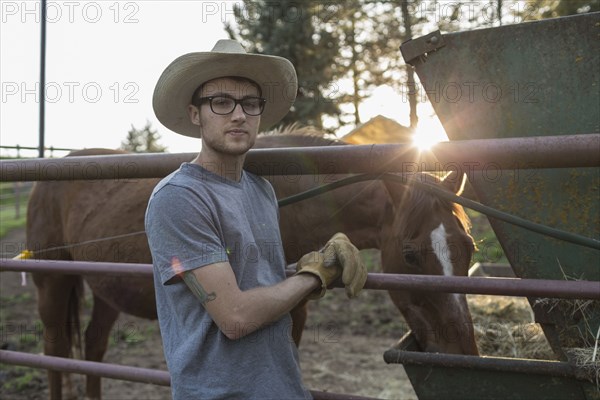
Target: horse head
x,y
429,236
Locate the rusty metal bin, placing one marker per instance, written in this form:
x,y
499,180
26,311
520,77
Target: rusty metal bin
x,y
533,79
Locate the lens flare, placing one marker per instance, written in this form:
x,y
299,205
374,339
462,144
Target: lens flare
x,y
428,133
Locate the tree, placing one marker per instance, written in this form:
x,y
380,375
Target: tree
x,y
410,73
540,9
394,23
364,49
143,141
288,29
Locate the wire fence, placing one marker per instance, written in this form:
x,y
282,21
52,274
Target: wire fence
x,y
14,196
19,151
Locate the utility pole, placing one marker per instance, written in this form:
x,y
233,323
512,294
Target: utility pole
x,y
42,79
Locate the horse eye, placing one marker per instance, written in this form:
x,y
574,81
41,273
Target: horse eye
x,y
411,258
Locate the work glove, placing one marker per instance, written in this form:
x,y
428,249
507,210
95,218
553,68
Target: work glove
x,y
338,258
339,250
314,263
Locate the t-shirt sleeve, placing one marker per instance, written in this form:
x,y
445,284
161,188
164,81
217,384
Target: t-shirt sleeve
x,y
271,193
182,233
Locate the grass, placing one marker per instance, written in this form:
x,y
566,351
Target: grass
x,y
21,378
16,299
489,249
9,219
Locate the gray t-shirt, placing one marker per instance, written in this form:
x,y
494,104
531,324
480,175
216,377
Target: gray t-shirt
x,y
196,218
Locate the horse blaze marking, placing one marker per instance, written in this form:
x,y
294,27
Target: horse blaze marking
x,y
442,252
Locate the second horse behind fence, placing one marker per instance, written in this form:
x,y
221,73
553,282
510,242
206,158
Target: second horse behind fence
x,y
416,232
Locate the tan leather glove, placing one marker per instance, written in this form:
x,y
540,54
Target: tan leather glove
x,y
341,251
314,263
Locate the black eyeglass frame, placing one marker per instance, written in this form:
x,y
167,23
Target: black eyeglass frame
x,y
262,103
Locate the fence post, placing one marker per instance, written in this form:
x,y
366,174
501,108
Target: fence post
x,y
17,190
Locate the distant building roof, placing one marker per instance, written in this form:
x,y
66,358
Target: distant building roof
x,y
379,130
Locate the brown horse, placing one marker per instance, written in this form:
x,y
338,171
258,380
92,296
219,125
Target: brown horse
x,y
104,221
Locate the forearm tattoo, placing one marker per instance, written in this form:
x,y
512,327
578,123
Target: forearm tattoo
x,y
190,279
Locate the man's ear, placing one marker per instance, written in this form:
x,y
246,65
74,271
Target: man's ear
x,y
454,182
194,114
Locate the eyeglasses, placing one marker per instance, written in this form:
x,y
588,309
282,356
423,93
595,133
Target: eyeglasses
x,y
223,105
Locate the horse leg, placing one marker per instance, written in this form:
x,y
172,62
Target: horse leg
x,y
58,300
299,314
96,341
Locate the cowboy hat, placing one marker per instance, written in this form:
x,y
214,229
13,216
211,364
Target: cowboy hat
x,y
276,77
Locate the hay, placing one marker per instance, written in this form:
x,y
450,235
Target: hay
x,y
505,327
588,366
570,307
580,347
509,340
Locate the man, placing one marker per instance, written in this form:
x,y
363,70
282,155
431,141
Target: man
x,y
222,296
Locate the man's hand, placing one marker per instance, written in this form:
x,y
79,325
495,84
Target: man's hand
x,y
338,258
314,263
340,251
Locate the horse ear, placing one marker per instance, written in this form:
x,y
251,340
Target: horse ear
x,y
396,191
454,182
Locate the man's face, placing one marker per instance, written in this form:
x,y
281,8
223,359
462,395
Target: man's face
x,y
231,134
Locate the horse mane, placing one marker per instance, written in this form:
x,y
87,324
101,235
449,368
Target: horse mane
x,y
294,129
421,203
460,213
295,135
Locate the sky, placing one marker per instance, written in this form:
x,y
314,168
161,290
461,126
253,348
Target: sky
x,y
102,62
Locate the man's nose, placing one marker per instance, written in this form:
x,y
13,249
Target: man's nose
x,y
238,113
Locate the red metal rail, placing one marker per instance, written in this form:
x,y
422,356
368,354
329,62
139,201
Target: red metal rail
x,y
377,281
115,371
468,155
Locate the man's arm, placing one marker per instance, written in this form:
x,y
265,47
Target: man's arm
x,y
238,313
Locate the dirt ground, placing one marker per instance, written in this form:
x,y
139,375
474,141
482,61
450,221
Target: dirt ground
x,y
341,352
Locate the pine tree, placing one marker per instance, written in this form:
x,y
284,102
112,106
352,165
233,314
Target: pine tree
x,y
288,29
360,51
143,141
540,9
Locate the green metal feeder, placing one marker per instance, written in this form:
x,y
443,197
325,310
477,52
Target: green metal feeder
x,y
532,79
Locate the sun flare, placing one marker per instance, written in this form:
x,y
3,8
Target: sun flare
x,y
428,133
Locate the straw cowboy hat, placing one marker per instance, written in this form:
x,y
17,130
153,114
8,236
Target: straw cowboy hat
x,y
276,77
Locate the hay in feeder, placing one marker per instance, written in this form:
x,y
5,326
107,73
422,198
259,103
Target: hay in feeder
x,y
505,327
587,363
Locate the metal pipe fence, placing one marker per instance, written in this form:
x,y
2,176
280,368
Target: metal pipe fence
x,y
471,156
497,364
375,281
121,372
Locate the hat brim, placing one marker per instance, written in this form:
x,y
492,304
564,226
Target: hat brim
x,y
276,77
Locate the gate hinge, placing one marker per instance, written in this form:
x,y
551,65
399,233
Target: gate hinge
x,y
417,49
